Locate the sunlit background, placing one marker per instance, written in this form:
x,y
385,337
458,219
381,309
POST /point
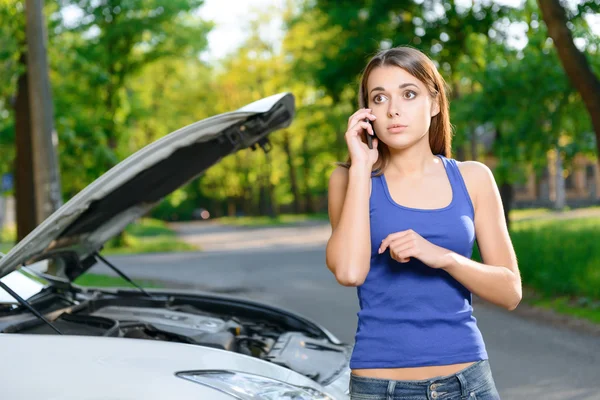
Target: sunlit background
x,y
124,74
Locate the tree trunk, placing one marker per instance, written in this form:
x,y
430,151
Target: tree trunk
x,y
292,170
461,153
573,61
24,188
43,136
231,208
560,195
474,154
271,207
507,196
308,200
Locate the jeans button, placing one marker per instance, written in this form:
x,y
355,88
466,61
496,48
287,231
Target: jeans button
x,y
434,395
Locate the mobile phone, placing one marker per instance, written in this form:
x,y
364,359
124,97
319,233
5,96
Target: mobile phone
x,y
369,137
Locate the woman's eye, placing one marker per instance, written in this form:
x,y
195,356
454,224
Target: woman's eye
x,y
409,95
378,98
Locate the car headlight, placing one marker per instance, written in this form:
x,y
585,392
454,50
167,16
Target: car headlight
x,y
245,386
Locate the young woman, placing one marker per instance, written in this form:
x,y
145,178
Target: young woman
x,y
404,218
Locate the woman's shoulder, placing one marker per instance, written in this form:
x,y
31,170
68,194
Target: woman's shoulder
x,y
475,170
478,178
339,174
471,170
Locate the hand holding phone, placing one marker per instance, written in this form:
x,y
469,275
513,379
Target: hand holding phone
x,y
359,125
369,138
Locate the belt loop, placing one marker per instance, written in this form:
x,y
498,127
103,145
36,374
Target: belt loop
x,y
463,386
390,390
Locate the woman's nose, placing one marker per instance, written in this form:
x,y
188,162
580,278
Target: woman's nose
x,y
393,108
393,112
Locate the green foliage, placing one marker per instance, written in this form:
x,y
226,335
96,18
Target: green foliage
x,y
97,280
580,307
559,257
12,39
96,64
282,219
124,74
558,260
147,236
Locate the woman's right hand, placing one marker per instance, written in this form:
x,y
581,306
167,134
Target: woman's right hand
x,y
360,154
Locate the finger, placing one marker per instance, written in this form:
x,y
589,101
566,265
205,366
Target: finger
x,y
382,248
400,242
364,123
404,256
393,236
375,142
357,116
362,115
357,129
401,247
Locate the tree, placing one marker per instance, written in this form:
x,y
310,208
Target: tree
x,y
112,41
524,97
356,30
48,196
575,63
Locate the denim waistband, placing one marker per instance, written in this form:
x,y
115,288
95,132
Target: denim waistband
x,y
463,383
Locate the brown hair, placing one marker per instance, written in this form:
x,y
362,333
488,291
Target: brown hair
x,y
421,67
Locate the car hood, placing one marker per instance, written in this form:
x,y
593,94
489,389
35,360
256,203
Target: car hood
x,y
130,189
121,368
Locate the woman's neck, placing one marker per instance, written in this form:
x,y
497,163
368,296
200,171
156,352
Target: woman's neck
x,y
413,161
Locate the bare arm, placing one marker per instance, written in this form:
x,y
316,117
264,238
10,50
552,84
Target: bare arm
x,y
348,249
497,279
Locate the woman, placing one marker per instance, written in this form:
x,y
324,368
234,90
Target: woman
x,y
404,218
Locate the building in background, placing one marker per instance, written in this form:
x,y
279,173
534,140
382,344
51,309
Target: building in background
x,y
581,182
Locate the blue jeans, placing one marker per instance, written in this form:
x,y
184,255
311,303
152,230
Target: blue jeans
x,y
475,382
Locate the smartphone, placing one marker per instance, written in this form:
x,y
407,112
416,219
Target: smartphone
x,y
369,137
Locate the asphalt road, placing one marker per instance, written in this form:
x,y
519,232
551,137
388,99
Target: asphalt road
x,y
530,358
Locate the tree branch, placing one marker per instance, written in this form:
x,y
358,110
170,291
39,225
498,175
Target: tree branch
x,y
573,61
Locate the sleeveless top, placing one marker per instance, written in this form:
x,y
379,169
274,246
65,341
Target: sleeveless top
x,y
412,315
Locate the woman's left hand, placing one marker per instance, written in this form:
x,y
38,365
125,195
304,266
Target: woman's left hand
x,y
406,244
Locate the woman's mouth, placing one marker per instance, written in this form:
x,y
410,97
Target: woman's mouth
x,y
396,128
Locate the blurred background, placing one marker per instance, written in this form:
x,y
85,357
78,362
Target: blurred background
x,y
86,83
125,73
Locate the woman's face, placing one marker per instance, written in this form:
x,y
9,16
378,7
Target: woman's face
x,y
402,105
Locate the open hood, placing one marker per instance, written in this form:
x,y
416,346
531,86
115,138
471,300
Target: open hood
x,y
137,184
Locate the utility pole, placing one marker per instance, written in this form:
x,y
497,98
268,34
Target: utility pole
x,y
44,138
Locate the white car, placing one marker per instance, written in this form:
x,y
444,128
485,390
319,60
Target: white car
x,y
62,341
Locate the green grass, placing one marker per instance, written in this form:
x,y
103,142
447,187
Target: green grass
x,y
582,308
282,219
532,213
147,236
146,227
559,262
143,236
95,280
7,238
5,247
559,257
516,215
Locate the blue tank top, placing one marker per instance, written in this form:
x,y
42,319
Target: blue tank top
x,y
412,315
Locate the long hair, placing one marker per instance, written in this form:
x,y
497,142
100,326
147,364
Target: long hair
x,y
421,67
